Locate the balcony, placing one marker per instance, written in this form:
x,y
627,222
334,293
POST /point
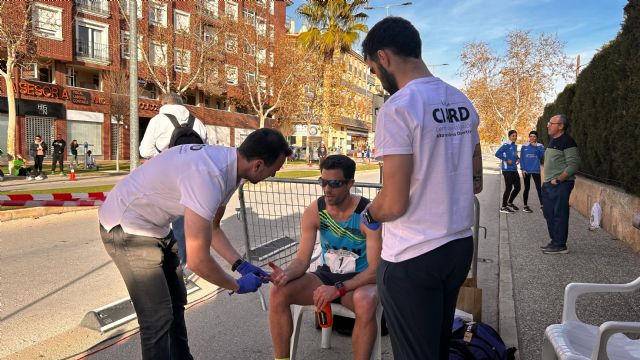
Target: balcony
x,y
100,7
92,51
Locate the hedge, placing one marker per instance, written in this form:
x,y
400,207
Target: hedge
x,y
604,109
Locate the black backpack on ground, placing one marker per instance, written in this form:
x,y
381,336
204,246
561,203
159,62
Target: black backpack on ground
x,y
183,133
477,341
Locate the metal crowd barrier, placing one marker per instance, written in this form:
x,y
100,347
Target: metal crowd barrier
x,y
271,213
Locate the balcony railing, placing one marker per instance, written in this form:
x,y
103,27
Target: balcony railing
x,y
94,6
92,50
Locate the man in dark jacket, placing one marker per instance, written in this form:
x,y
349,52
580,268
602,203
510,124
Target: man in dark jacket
x,y
38,149
58,154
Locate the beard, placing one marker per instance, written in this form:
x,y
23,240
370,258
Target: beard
x,y
387,80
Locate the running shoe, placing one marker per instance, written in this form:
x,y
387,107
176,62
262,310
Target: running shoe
x,y
513,207
527,209
556,250
39,177
506,210
546,246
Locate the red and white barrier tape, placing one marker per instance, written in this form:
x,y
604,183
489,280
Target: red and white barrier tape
x,y
62,199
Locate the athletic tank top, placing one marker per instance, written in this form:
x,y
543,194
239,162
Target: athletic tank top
x,y
343,235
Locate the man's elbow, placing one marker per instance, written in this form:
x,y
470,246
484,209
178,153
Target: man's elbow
x,y
397,209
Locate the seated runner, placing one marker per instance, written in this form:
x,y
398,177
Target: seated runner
x,y
350,255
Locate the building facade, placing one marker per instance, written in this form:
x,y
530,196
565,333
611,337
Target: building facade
x,y
64,91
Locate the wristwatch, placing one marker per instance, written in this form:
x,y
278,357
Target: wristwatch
x,y
368,218
236,264
341,289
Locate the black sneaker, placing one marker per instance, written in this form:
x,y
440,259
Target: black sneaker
x,y
527,209
513,207
506,210
556,250
543,247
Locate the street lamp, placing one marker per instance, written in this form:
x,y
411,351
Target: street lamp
x,y
388,6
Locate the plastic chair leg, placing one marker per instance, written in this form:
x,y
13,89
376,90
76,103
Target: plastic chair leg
x,y
548,352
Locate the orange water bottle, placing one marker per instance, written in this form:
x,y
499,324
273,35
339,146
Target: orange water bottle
x,y
325,319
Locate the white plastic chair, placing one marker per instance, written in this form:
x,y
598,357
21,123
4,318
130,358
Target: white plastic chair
x,y
575,340
336,309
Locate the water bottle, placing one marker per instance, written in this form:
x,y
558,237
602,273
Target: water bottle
x,y
325,319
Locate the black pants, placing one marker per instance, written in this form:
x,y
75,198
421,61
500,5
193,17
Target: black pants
x,y
511,188
150,269
556,210
527,185
57,158
419,298
37,168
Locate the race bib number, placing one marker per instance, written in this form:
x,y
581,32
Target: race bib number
x,y
340,261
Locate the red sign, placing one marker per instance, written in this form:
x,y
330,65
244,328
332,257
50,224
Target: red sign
x,y
148,106
50,91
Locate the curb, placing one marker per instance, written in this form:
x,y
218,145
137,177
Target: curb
x,y
507,322
37,212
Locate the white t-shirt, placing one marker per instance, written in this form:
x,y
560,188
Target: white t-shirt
x,y
199,177
438,125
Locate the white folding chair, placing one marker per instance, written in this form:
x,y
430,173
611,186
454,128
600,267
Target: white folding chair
x,y
336,309
575,340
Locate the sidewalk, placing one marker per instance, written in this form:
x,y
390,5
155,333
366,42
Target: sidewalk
x,y
539,280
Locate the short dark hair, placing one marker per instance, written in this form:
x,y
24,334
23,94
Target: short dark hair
x,y
343,162
512,132
38,136
393,33
533,132
265,144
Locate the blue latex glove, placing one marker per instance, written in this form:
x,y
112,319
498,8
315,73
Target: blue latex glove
x,y
248,268
248,283
373,227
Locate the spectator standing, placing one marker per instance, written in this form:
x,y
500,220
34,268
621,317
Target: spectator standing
x,y
58,154
38,150
560,165
322,152
508,153
74,151
156,140
427,136
530,155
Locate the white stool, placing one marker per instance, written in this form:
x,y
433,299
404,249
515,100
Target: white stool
x,y
336,309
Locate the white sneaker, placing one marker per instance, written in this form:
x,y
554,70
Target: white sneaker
x,y
1,179
30,178
39,177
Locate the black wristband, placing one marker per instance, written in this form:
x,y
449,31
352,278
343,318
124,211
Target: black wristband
x,y
236,264
368,217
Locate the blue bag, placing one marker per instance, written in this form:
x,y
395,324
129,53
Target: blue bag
x,y
477,341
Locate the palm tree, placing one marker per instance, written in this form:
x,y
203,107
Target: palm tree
x,y
333,25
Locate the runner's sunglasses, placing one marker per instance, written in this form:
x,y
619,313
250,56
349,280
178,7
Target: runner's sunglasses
x,y
334,184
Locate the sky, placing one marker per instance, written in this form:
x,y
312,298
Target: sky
x,y
446,26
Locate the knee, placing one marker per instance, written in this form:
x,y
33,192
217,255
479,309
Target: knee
x,y
365,304
279,296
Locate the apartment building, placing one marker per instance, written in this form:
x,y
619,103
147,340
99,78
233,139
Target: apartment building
x,y
63,92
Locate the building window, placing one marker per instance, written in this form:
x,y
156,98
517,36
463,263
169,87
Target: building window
x,y
250,77
232,74
249,17
182,61
158,54
261,2
35,71
92,40
98,7
271,59
263,84
210,8
83,78
158,14
250,49
181,20
124,45
231,43
211,76
47,21
262,56
272,6
209,34
261,26
45,74
231,9
125,7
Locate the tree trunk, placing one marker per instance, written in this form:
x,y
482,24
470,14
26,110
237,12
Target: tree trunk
x,y
11,130
118,147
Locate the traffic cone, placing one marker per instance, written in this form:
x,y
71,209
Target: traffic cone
x,y
72,174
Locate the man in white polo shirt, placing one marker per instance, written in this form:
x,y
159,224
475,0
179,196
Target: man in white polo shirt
x,y
427,135
134,226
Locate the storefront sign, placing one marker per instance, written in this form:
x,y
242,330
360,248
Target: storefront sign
x,y
40,108
80,97
51,91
